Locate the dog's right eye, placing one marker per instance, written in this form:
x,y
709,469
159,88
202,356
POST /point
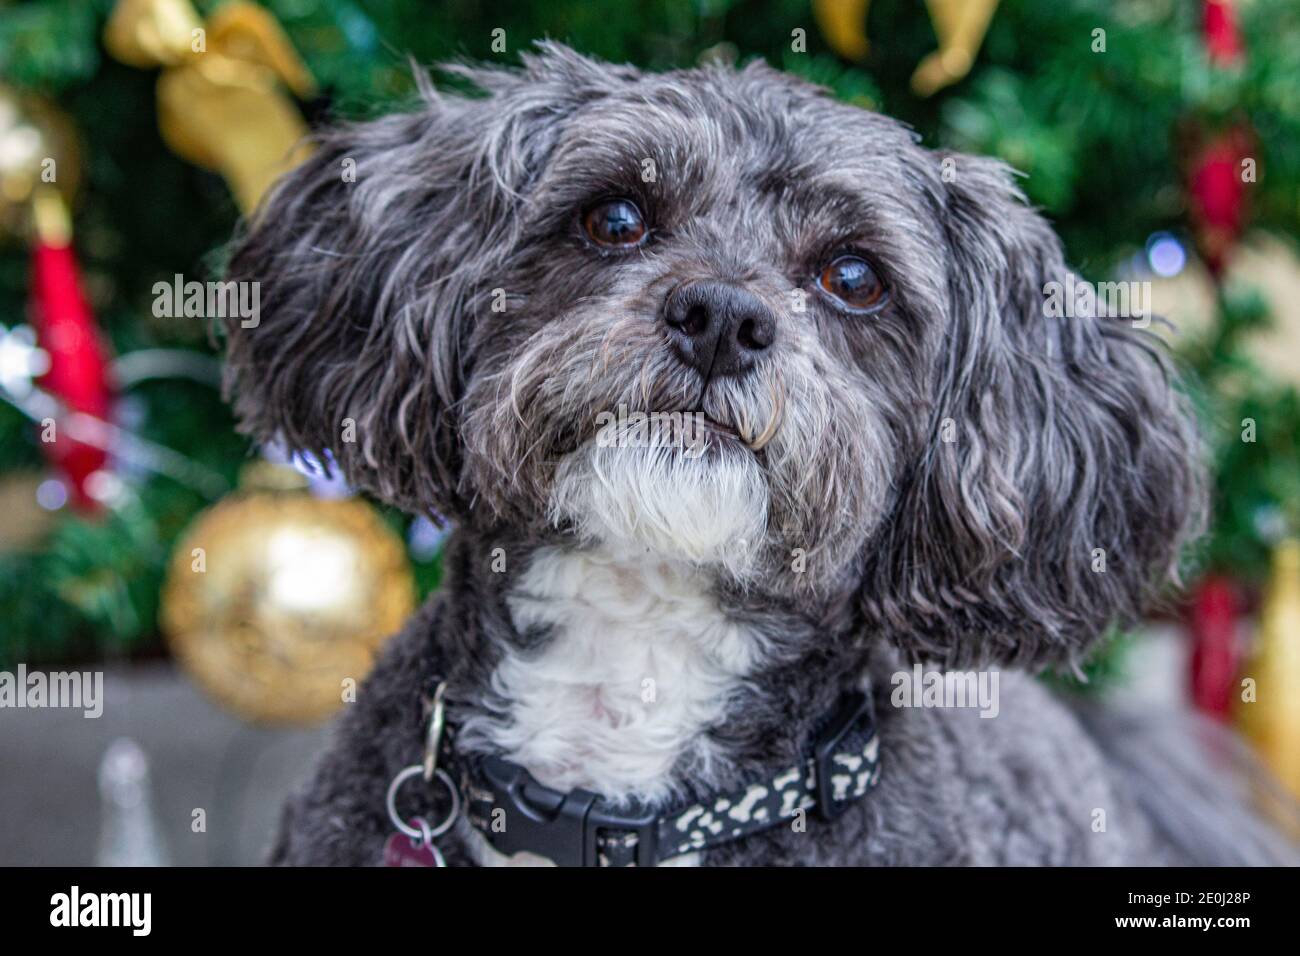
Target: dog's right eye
x,y
615,222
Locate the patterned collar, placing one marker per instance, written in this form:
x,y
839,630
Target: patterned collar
x,y
515,813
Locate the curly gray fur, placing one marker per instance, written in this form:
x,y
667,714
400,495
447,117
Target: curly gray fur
x,y
377,306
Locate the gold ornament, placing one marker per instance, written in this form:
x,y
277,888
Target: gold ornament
x,y
277,602
844,25
960,26
40,162
1270,711
221,100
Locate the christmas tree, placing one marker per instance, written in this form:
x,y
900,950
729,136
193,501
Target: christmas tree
x,y
1123,116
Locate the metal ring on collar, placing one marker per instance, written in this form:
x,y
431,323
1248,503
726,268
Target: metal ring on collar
x,y
404,827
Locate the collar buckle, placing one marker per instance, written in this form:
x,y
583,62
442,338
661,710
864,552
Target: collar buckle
x,y
570,829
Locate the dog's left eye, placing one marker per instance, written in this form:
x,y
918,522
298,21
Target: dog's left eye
x,y
852,282
615,222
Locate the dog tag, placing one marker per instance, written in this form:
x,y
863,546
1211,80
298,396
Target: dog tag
x,y
401,850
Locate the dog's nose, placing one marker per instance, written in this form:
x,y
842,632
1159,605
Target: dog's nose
x,y
718,329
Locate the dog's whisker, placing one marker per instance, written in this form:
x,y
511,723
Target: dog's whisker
x,y
645,381
774,420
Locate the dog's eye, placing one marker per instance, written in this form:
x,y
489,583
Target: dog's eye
x,y
853,283
615,222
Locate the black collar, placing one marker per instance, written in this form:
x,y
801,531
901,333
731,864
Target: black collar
x,y
514,812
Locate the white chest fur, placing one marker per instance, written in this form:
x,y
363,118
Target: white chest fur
x,y
638,664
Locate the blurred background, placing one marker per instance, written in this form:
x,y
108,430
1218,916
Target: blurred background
x,y
232,595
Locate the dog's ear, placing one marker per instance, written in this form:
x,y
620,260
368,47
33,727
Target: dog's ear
x,y
1060,475
372,259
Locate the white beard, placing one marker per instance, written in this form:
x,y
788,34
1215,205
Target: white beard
x,y
708,510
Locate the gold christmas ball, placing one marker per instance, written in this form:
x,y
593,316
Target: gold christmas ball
x,y
277,602
38,149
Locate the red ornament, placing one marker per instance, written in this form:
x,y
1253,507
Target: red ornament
x,y
1216,168
1217,195
1216,646
78,375
1222,36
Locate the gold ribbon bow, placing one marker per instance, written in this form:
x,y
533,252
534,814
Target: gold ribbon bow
x,y
960,26
221,96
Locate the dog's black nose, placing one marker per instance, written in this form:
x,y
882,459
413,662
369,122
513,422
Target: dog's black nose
x,y
718,329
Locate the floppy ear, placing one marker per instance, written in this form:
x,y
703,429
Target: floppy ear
x,y
1060,476
373,257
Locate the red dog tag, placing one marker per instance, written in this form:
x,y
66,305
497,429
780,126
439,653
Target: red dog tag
x,y
401,850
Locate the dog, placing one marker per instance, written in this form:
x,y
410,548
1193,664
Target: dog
x,y
742,404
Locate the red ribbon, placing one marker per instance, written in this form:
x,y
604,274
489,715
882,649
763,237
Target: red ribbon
x,y
1222,36
78,375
